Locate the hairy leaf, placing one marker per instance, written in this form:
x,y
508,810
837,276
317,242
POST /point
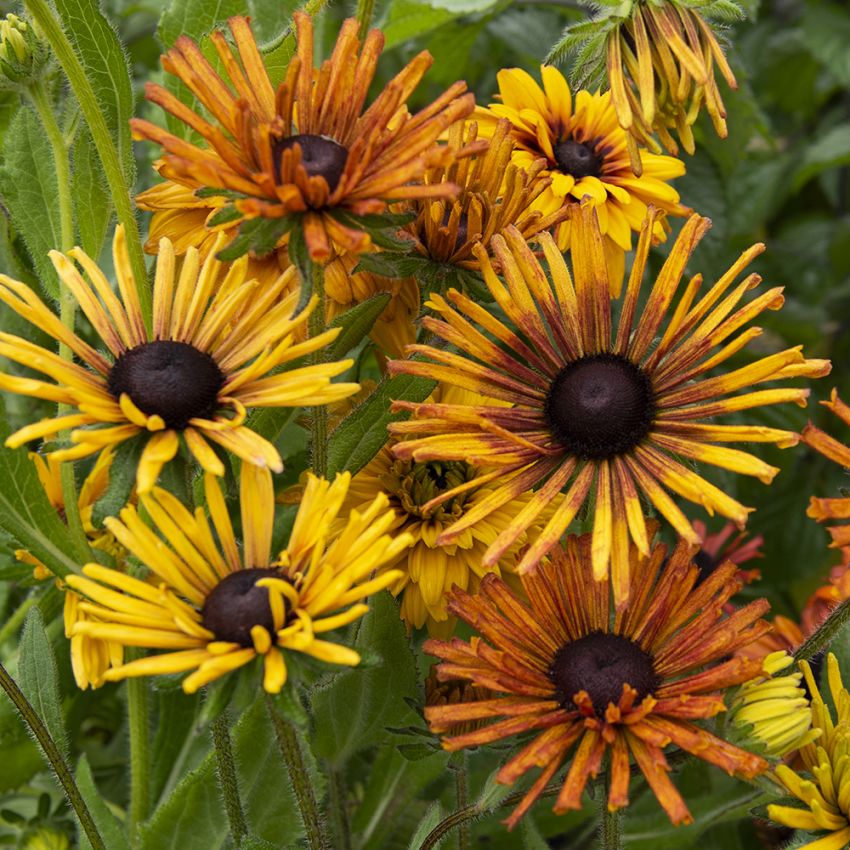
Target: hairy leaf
x,y
108,825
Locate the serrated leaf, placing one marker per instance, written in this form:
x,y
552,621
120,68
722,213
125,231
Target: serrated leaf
x,y
29,187
109,827
39,678
27,515
194,817
357,439
195,18
122,479
92,201
352,709
356,324
102,55
432,817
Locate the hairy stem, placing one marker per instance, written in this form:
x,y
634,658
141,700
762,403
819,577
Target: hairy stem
x,y
365,11
338,807
290,749
225,767
52,754
103,141
138,711
610,826
462,799
822,637
319,413
67,302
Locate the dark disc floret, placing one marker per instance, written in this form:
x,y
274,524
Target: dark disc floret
x,y
320,156
601,664
706,565
236,605
172,379
600,406
577,160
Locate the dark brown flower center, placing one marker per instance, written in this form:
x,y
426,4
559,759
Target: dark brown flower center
x,y
320,156
236,605
577,159
601,664
600,406
172,379
706,564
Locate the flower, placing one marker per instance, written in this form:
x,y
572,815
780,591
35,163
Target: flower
x,y
211,608
215,341
717,548
586,155
773,710
91,655
563,669
595,411
427,498
825,793
307,147
493,193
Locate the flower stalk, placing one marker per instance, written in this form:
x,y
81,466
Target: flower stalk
x,y
610,825
227,780
54,756
822,637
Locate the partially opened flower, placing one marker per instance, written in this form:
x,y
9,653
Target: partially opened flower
x,y
585,684
494,192
306,147
824,787
428,570
211,606
586,154
602,415
213,354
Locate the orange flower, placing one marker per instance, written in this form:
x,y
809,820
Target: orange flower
x,y
307,147
586,683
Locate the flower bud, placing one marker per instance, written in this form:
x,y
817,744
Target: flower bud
x,y
23,52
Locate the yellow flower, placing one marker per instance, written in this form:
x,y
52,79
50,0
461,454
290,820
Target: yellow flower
x,y
586,154
825,792
428,498
308,146
602,414
494,192
773,709
210,607
216,340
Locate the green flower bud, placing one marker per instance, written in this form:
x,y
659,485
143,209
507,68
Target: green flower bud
x,y
46,839
23,52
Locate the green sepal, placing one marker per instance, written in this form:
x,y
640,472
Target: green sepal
x,y
356,324
213,192
260,236
384,228
224,215
122,479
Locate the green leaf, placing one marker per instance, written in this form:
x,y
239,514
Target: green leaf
x,y
352,709
180,712
831,150
432,817
407,19
92,201
195,18
356,324
122,479
194,816
108,825
29,188
258,235
359,436
102,55
826,33
27,515
531,837
39,678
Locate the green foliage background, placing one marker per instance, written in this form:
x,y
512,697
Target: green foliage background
x,y
782,176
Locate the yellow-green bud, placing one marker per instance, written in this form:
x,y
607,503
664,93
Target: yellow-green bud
x,y
23,52
46,839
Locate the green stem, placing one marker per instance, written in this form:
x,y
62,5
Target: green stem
x,y
290,749
118,186
823,635
51,752
286,39
610,826
462,800
338,805
316,325
227,780
365,11
138,716
68,305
